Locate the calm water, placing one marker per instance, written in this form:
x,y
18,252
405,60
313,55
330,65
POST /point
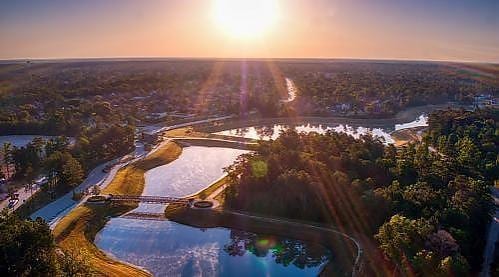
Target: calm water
x,y
421,121
23,140
166,248
196,168
273,132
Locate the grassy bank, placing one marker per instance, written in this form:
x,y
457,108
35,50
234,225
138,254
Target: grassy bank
x,y
203,194
79,227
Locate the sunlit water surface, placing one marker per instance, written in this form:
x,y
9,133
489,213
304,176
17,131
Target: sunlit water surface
x,y
166,248
23,140
274,131
196,168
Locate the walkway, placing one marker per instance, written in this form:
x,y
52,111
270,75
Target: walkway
x,y
57,209
152,129
357,262
493,234
147,199
213,142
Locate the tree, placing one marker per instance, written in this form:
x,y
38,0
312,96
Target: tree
x,y
454,266
7,156
64,168
72,172
401,238
468,153
26,247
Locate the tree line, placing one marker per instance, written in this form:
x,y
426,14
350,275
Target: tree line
x,y
427,205
64,164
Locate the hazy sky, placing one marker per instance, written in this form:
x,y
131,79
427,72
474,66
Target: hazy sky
x,y
387,29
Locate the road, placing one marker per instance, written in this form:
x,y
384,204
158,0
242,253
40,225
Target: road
x,y
161,128
23,196
57,209
488,255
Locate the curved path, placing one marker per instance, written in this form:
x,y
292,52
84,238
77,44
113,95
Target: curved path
x,y
493,235
357,262
57,209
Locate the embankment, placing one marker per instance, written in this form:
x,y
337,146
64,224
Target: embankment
x,y
79,227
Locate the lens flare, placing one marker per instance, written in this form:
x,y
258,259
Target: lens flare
x,y
245,18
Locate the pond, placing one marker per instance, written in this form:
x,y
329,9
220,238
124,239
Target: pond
x,y
167,248
23,140
196,168
273,131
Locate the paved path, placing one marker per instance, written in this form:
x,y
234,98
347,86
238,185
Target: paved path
x,y
357,262
161,128
24,195
57,209
493,234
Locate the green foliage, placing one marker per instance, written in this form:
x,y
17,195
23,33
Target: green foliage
x,y
65,169
311,176
437,191
75,263
259,169
401,237
26,247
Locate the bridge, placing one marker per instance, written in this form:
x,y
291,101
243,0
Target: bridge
x,y
148,199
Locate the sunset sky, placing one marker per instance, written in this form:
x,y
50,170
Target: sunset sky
x,y
463,30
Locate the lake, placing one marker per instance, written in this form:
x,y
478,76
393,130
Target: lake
x,y
273,131
23,140
167,248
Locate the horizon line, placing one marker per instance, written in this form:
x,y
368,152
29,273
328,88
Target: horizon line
x,y
187,58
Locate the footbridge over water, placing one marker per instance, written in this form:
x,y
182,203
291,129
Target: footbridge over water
x,y
214,142
148,199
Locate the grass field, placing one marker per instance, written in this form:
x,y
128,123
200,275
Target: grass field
x,y
77,230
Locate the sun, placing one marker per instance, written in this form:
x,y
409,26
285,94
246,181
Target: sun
x,y
245,18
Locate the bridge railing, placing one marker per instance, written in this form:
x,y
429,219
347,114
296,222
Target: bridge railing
x,y
148,199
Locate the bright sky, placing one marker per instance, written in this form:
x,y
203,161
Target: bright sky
x,y
376,29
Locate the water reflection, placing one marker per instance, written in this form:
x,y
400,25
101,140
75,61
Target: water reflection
x,y
273,132
284,251
196,168
421,121
166,248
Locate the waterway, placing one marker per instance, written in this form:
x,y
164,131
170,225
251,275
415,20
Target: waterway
x,y
196,168
23,140
167,248
268,132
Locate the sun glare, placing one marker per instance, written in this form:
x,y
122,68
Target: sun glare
x,y
245,18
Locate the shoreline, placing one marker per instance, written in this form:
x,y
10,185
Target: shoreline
x,y
303,231
218,218
81,225
405,116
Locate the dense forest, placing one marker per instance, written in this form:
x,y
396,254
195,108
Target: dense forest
x,y
381,89
64,98
427,205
